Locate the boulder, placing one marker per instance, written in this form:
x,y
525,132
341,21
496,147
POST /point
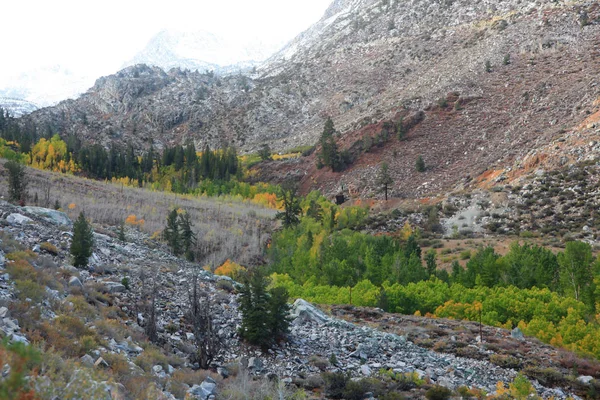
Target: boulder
x,y
204,391
114,287
255,364
52,216
302,311
18,219
517,334
585,379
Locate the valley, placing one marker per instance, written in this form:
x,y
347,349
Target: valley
x,y
401,203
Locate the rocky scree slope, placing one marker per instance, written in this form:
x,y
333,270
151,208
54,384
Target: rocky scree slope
x,y
359,349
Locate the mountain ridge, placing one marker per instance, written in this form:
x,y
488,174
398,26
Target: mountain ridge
x,y
525,73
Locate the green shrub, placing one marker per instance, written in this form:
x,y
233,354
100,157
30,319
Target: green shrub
x,y
438,393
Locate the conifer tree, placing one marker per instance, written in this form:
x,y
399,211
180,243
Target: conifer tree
x,y
171,233
83,241
329,156
291,208
420,164
17,181
384,180
188,237
254,304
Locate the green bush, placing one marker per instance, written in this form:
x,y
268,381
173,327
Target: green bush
x,y
438,393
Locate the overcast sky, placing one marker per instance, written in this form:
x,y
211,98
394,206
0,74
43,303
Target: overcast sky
x,y
99,36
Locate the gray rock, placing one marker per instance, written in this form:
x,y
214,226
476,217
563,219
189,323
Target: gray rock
x,y
87,360
517,334
18,219
586,379
157,369
114,287
255,363
365,370
224,372
3,312
75,282
190,336
53,216
203,391
302,311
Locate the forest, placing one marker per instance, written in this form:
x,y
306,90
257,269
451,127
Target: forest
x,y
550,296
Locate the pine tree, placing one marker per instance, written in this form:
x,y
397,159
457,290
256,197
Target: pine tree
x,y
400,133
265,152
17,181
188,237
121,232
420,164
265,314
254,305
430,262
329,156
291,208
279,312
83,241
171,233
384,180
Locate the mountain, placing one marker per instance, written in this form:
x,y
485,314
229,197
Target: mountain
x,y
201,51
17,107
483,85
46,85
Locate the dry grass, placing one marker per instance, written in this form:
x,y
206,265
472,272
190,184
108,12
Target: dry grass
x,y
226,227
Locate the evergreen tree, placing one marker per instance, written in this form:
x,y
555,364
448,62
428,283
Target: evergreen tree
x,y
188,237
384,180
420,164
291,208
255,307
400,132
329,156
265,152
17,181
121,232
279,313
171,233
83,241
314,210
430,262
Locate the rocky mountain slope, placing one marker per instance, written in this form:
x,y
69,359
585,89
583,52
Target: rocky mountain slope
x,y
494,80
117,313
17,107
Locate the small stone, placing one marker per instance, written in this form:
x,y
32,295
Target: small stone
x,y
224,372
100,362
157,369
75,282
365,370
586,379
255,363
3,312
190,336
87,360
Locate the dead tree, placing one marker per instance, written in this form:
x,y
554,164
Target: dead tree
x,y
208,343
150,328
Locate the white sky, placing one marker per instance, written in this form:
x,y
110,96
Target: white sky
x,y
97,37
